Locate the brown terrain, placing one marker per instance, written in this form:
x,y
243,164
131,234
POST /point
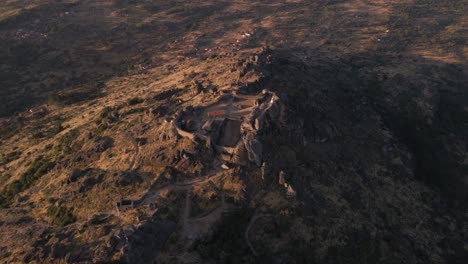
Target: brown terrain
x,y
261,131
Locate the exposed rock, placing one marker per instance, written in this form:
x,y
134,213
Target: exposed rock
x,y
112,241
290,191
281,178
168,131
240,155
254,148
103,143
211,125
259,123
265,169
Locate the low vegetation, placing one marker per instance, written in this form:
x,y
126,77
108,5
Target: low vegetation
x,y
135,101
91,96
45,129
4,177
107,115
65,143
229,239
8,130
431,142
36,170
61,216
14,155
73,96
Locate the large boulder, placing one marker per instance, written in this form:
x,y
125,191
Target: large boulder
x,y
282,178
259,122
254,148
240,155
168,131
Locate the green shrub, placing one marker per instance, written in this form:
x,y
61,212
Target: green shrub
x,y
134,111
135,101
66,141
53,130
37,169
105,112
61,216
108,115
69,137
3,202
10,157
4,178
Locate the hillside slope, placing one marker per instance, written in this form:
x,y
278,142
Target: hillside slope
x,y
233,131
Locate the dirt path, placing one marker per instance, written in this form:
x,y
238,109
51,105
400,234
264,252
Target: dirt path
x,y
131,167
153,194
191,228
196,227
254,218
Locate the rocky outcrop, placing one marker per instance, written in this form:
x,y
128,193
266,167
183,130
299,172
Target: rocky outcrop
x,y
254,148
235,139
168,131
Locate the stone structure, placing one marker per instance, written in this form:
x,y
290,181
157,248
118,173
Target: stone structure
x,y
231,126
124,205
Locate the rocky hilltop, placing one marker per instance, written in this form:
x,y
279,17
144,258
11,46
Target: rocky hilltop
x,y
235,143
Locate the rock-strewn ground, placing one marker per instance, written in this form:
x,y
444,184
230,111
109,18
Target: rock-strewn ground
x,y
360,158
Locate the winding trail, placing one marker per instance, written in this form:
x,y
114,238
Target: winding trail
x,y
137,151
151,195
191,228
254,218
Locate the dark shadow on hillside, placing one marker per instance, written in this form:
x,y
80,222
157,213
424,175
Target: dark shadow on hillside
x,y
427,115
347,104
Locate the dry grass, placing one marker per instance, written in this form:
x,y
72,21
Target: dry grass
x,y
97,54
